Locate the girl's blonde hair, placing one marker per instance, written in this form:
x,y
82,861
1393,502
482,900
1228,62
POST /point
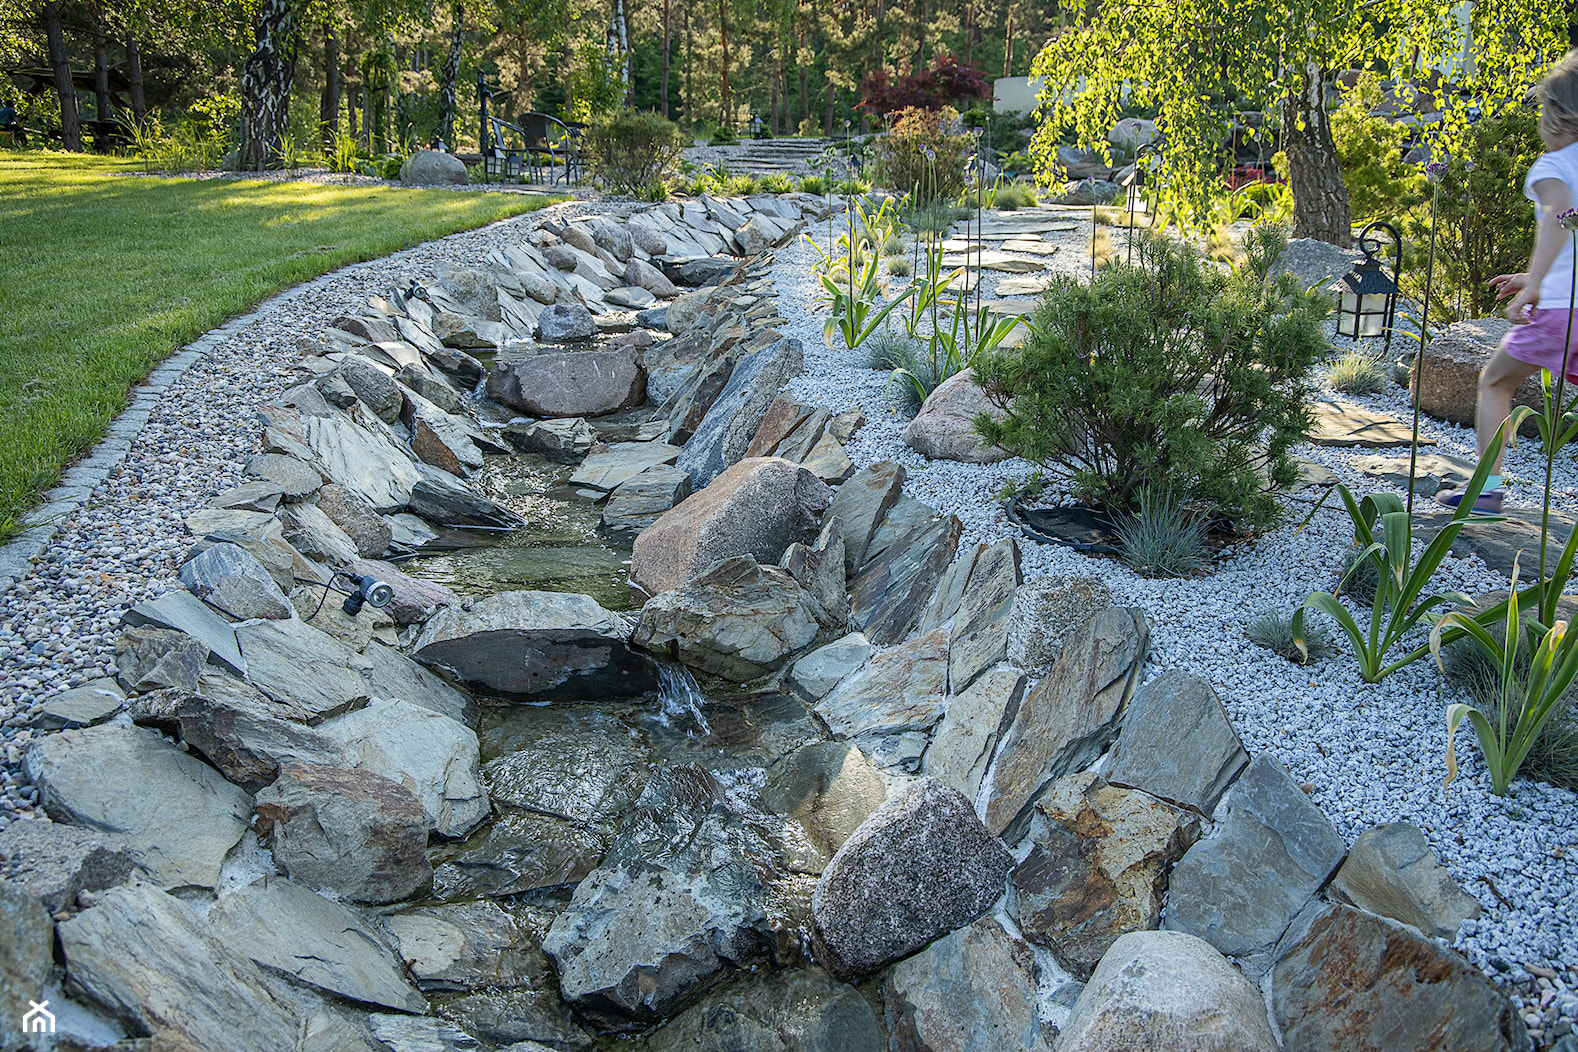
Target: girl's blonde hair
x,y
1558,94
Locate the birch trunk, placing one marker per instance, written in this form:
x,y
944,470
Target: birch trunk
x,y
1320,200
265,88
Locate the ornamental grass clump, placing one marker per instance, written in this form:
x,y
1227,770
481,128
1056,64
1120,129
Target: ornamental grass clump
x,y
1356,373
1554,757
1163,538
1273,630
1171,374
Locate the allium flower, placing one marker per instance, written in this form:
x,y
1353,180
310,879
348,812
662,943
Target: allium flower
x,y
929,153
1436,171
1569,219
1469,166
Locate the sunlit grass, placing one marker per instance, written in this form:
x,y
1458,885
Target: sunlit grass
x,y
103,275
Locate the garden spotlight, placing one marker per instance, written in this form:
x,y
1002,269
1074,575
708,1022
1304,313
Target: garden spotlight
x,y
369,590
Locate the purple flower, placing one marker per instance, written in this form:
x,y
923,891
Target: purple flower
x,y
1569,219
1436,171
929,153
1469,166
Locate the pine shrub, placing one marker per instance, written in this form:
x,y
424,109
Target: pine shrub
x,y
629,150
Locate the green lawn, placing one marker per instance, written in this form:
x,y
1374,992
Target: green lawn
x,y
102,275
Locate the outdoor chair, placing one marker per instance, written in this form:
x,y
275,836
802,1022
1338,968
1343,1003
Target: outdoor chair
x,y
551,145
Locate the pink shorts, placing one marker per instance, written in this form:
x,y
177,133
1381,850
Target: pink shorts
x,y
1539,341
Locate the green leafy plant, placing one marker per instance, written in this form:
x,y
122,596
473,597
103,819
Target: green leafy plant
x,y
723,136
346,154
1170,374
1273,630
630,149
775,183
813,184
655,192
1554,755
1162,538
853,186
935,217
1356,373
1370,149
742,185
857,317
921,156
1383,531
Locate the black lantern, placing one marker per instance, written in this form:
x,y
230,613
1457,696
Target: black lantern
x,y
1134,182
512,167
492,162
1367,295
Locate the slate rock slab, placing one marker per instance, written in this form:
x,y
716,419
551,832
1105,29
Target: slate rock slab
x,y
296,664
862,502
356,833
467,945
962,748
727,429
294,930
1341,423
241,733
1177,743
899,691
820,671
973,990
93,702
54,862
1070,717
1270,853
887,599
146,957
181,611
608,469
1166,990
27,939
1348,980
531,643
919,867
155,658
1391,871
1097,867
826,789
179,816
800,1010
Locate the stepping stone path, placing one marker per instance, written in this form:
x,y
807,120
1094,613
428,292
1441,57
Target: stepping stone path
x,y
1341,423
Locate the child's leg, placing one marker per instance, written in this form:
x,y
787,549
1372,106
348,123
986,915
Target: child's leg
x,y
1497,382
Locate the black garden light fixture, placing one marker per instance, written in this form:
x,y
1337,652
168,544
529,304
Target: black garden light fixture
x,y
1367,294
512,167
1134,183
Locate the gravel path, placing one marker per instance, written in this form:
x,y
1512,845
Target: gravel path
x,y
1368,753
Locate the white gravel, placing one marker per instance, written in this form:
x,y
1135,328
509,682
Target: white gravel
x,y
1368,753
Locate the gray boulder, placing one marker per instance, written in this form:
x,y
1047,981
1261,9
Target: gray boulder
x,y
432,755
295,479
523,852
315,535
374,387
296,664
433,168
962,747
609,468
466,946
1089,192
739,620
155,658
768,362
920,866
536,643
1351,981
565,441
1240,887
888,598
630,297
240,731
820,671
825,790
395,677
178,815
234,583
973,990
1391,871
861,503
181,611
757,507
801,1010
26,959
1071,716
1447,372
570,384
1097,867
146,957
640,501
565,323
440,498
365,461
55,862
356,833
291,929
979,636
644,275
944,429
1178,743
1159,990
893,701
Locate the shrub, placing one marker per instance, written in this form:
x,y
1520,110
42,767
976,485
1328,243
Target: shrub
x,y
813,184
722,136
1014,196
1170,374
1356,373
899,266
776,183
742,185
1554,756
629,150
902,164
655,192
1162,539
1273,629
945,84
1370,150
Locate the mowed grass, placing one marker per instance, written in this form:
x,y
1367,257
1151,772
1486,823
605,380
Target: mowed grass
x,y
103,275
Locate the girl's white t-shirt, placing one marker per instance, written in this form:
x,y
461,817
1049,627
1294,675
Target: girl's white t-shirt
x,y
1557,288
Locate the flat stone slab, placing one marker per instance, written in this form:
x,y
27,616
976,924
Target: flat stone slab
x,y
1028,285
1037,247
1340,423
993,259
621,462
1498,543
1431,470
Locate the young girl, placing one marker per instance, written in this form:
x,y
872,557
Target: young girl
x,y
1542,296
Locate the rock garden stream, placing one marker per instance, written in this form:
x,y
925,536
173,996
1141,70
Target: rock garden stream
x,y
541,641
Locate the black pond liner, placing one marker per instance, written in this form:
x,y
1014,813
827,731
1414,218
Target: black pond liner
x,y
1080,528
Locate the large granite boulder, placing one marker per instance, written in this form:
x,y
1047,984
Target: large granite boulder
x,y
55,862
358,834
1070,717
1349,981
433,168
570,384
1270,853
769,362
432,755
1159,991
178,815
1391,871
1178,743
555,644
1097,867
758,507
944,429
644,275
973,990
739,620
920,866
1447,372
